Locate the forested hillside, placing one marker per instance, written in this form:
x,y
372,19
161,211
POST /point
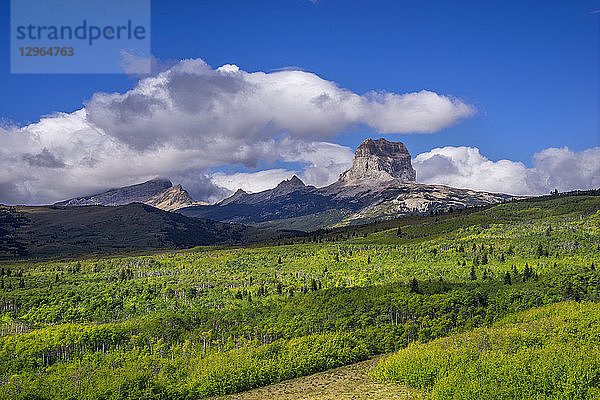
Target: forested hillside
x,y
205,322
61,232
551,352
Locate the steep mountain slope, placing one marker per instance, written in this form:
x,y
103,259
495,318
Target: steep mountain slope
x,y
379,185
139,193
173,198
52,231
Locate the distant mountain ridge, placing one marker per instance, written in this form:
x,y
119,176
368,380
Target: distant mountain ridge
x,y
159,193
380,184
139,193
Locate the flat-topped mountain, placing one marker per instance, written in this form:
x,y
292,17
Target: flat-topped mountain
x,y
380,160
380,184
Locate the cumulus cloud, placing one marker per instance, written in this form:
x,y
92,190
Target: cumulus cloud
x,y
553,168
192,104
184,121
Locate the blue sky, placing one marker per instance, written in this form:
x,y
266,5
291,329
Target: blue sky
x,y
531,69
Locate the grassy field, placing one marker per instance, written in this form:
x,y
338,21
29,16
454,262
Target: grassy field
x,y
211,322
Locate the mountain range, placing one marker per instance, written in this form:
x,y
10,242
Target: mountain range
x,y
380,184
159,193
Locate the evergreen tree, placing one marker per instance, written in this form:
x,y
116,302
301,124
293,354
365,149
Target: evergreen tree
x,y
527,272
569,293
473,275
515,272
540,250
507,279
414,286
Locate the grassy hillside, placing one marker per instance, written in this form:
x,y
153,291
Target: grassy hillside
x,y
551,352
52,231
210,322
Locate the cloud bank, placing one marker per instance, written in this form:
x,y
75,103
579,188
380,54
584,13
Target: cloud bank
x,y
190,119
553,168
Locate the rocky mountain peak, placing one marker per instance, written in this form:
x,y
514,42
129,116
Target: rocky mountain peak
x,y
234,197
293,183
174,198
380,160
288,186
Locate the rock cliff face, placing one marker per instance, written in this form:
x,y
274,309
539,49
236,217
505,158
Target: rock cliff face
x,y
380,160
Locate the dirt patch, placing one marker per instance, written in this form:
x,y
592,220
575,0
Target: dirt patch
x,y
343,383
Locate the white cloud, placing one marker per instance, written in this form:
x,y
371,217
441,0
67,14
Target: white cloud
x,y
564,169
134,64
191,117
554,168
194,105
252,181
324,163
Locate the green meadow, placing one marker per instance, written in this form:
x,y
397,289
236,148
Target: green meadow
x,y
496,302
